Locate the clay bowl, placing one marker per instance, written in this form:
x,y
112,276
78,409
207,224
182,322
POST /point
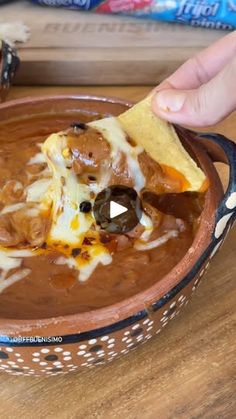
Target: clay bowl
x,y
58,345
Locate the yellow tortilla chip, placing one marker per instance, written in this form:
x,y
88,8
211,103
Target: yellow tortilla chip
x,y
160,141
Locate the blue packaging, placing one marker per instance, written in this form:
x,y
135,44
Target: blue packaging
x,y
200,13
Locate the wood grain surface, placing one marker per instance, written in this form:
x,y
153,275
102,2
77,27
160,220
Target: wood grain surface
x,y
187,372
70,47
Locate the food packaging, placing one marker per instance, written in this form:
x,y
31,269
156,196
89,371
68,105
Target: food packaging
x,y
201,13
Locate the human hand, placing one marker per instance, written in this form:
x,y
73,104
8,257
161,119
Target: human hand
x,y
203,90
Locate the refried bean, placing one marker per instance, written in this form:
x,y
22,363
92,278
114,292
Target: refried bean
x,y
51,289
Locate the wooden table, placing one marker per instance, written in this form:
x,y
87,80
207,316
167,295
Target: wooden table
x,y
187,372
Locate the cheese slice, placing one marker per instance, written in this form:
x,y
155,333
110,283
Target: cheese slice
x,y
160,141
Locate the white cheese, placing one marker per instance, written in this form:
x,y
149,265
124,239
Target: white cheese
x,y
85,271
36,190
7,263
112,131
156,243
12,208
146,221
17,276
37,159
12,259
65,193
18,186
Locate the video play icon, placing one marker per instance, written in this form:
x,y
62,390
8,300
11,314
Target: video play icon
x,y
117,209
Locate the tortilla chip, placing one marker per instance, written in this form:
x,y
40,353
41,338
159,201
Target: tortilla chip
x,y
160,141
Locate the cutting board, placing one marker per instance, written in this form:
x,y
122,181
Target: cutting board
x,y
70,47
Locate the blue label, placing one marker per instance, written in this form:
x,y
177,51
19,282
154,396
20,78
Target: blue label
x,y
203,13
74,4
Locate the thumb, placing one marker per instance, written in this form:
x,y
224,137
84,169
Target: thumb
x,y
204,106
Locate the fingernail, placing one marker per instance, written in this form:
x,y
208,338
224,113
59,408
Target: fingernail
x,y
170,101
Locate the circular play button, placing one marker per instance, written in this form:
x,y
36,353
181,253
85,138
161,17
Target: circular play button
x,y
117,209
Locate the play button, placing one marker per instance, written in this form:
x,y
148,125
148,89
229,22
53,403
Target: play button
x,y
117,209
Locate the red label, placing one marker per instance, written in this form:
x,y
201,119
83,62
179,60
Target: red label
x,y
116,6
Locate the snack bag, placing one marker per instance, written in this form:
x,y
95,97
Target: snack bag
x,y
203,13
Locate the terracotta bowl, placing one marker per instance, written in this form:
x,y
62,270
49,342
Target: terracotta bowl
x,y
59,345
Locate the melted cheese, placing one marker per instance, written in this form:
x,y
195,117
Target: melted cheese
x,y
70,226
65,194
112,131
36,190
146,221
18,186
37,159
12,259
17,276
7,263
61,194
85,270
12,208
156,243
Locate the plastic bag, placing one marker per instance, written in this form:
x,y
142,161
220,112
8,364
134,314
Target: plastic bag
x,y
201,13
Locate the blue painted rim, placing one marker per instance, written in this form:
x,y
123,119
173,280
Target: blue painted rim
x,y
229,147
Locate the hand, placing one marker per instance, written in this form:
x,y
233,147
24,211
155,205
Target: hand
x,y
203,90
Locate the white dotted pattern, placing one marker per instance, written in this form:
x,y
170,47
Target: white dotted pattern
x,y
220,226
96,351
215,249
231,201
